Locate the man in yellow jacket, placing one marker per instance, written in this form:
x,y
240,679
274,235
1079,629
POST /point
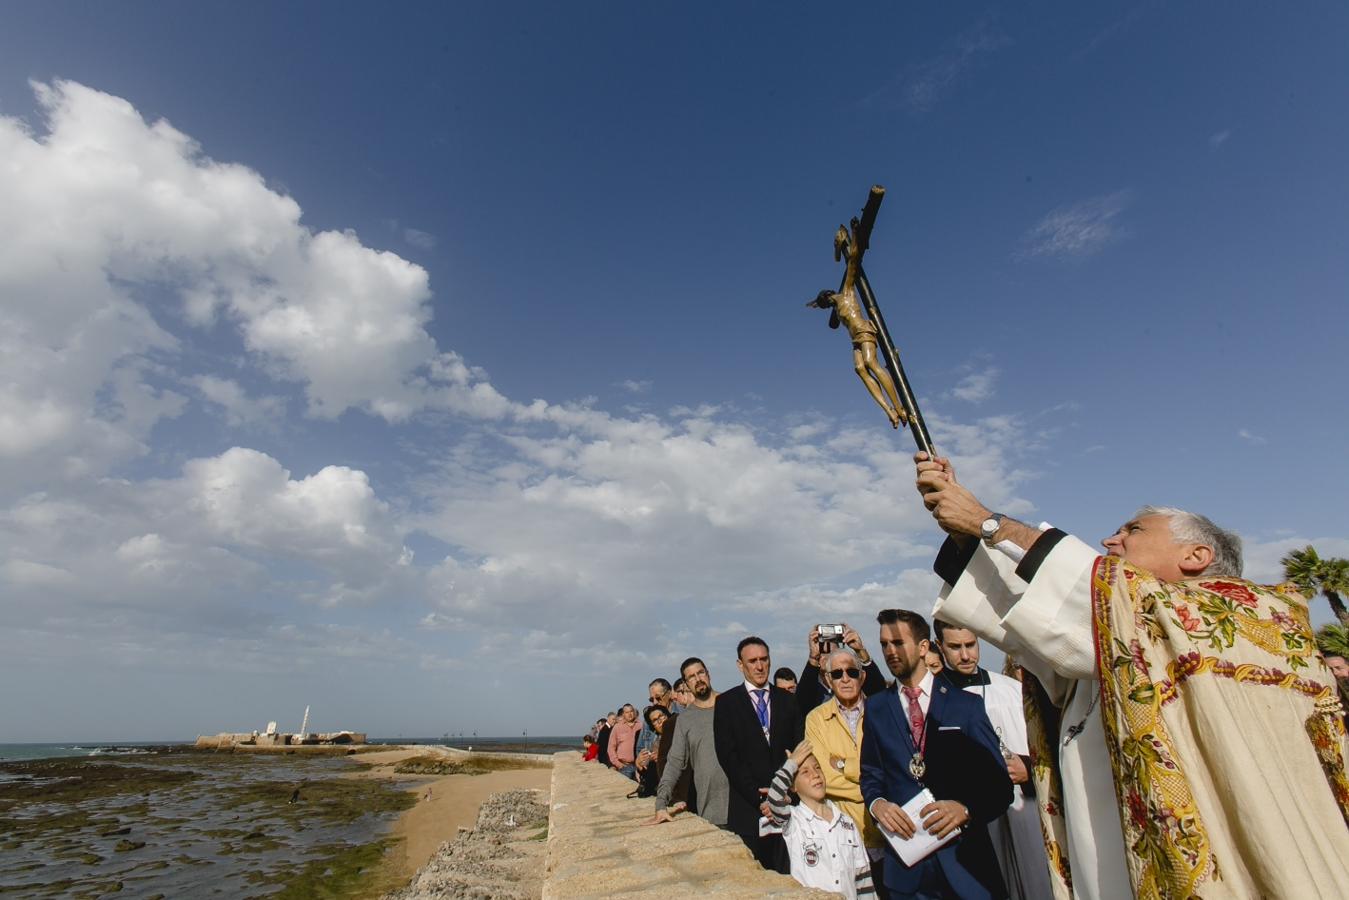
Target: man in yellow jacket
x,y
834,729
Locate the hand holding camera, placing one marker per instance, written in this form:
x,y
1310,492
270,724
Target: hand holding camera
x,y
829,636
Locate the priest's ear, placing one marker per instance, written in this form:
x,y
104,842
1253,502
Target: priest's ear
x,y
1195,559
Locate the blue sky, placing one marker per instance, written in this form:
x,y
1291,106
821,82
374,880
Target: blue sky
x,y
449,369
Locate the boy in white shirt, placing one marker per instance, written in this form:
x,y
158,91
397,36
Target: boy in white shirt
x,y
823,844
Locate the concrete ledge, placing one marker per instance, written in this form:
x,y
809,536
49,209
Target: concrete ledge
x,y
597,846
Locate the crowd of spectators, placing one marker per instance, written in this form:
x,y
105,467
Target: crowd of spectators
x,y
777,759
922,785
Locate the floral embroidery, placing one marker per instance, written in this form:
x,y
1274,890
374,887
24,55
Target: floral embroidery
x,y
1170,851
1326,729
1190,664
1145,662
1232,591
1188,620
1041,722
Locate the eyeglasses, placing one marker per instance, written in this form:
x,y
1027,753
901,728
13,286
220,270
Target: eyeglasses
x,y
852,673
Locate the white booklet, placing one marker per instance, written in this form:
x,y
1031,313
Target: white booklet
x,y
923,843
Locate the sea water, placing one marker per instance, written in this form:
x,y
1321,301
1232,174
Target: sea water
x,y
186,824
15,752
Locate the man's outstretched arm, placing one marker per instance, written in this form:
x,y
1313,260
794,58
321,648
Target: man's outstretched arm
x,y
1044,602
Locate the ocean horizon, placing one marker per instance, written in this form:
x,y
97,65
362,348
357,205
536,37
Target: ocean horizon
x,y
21,751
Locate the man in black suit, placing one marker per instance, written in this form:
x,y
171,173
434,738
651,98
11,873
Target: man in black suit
x,y
602,737
755,725
926,733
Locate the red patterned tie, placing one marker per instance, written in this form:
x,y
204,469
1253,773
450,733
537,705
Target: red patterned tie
x,y
916,719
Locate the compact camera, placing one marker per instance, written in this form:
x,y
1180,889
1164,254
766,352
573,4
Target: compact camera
x,y
829,635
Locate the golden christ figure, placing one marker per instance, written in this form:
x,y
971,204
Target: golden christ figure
x,y
846,309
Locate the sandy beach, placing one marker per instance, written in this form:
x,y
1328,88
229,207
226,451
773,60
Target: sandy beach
x,y
453,802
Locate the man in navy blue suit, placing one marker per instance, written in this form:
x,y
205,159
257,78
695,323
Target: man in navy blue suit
x,y
926,732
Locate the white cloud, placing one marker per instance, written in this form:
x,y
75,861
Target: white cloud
x,y
921,86
121,234
559,525
239,408
423,240
230,524
608,520
633,386
1250,437
976,387
1217,139
1078,230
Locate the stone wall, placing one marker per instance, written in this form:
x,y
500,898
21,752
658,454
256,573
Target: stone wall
x,y
598,847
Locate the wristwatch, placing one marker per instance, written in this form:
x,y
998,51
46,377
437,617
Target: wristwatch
x,y
990,526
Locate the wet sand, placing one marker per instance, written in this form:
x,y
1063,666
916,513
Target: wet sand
x,y
454,802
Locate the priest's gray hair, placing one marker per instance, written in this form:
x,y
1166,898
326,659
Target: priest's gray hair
x,y
1192,528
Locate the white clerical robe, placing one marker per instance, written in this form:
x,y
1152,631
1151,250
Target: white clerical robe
x,y
1047,628
1016,836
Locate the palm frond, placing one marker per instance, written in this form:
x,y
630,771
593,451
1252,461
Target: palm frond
x,y
1333,640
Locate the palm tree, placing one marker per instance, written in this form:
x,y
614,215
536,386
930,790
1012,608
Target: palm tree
x,y
1314,575
1333,640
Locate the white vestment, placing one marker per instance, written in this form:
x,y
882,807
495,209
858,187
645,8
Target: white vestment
x,y
1046,626
1016,836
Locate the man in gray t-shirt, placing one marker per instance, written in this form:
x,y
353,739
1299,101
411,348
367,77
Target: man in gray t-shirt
x,y
693,747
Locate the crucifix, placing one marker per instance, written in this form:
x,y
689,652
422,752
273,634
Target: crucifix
x,y
883,378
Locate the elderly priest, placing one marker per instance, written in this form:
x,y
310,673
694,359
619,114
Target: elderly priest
x,y
1191,743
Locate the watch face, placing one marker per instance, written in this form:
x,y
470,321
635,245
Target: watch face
x,y
989,528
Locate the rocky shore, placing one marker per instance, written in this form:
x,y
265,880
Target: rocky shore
x,y
499,858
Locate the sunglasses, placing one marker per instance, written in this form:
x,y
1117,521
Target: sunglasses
x,y
852,673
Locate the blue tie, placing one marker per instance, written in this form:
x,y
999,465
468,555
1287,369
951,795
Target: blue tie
x,y
761,707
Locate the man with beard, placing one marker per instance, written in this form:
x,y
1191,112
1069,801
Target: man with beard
x,y
930,735
1016,835
693,747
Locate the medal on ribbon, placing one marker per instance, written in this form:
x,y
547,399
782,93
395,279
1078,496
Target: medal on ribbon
x,y
917,766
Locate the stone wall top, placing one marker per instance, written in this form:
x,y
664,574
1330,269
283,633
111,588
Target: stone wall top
x,y
597,846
